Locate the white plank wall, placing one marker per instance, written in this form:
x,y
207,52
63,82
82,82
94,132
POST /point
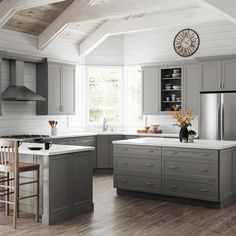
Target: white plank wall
x,y
218,38
19,117
109,53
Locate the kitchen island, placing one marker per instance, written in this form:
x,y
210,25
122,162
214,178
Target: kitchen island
x,y
204,171
65,180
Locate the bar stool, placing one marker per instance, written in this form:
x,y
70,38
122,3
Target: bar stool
x,y
10,169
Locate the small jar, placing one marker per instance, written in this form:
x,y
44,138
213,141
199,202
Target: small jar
x,y
173,96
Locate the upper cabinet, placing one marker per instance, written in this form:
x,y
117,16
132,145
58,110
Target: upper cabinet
x,y
211,75
193,86
171,88
219,75
229,75
56,82
150,88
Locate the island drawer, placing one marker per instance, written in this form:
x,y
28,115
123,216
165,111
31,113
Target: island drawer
x,y
190,153
138,183
137,150
143,165
194,168
191,189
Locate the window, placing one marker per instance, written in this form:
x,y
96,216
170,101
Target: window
x,y
104,94
134,94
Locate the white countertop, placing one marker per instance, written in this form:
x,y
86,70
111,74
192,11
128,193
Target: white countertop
x,y
86,134
168,142
54,150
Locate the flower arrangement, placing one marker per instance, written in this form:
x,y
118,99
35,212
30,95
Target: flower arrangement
x,y
183,119
192,132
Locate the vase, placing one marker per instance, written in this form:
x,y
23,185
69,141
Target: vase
x,y
183,134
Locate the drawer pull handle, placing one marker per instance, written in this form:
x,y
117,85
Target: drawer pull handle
x,y
124,163
204,170
149,150
149,183
149,165
173,167
123,180
205,190
124,149
173,186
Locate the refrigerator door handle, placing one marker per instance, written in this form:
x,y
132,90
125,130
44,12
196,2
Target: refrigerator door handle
x,y
219,133
222,120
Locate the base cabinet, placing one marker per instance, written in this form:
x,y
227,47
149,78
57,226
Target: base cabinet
x,y
80,141
179,172
105,150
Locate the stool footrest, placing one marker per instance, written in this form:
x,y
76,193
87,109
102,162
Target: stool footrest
x,y
29,182
20,198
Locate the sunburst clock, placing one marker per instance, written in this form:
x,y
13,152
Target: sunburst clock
x,y
186,42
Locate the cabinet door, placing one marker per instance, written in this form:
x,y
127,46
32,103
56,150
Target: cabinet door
x,y
103,151
229,75
82,178
54,89
68,89
112,138
193,85
211,75
150,90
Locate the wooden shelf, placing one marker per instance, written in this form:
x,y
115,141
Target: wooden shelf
x,y
172,78
171,101
170,90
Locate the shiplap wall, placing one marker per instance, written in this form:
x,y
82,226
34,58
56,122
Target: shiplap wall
x,y
218,38
20,117
109,53
26,44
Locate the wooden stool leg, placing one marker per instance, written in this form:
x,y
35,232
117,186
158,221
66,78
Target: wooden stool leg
x,y
16,194
7,196
37,198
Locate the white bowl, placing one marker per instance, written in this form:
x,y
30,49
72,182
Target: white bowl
x,y
154,126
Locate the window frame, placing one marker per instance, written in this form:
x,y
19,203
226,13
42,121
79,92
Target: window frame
x,y
121,100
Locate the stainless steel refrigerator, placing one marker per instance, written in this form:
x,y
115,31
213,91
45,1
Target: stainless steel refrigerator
x,y
217,119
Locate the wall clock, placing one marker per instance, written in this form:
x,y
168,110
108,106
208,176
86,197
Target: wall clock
x,y
186,42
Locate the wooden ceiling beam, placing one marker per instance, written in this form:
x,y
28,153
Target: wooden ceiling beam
x,y
9,7
82,11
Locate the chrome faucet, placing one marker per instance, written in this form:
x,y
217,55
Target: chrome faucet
x,y
105,125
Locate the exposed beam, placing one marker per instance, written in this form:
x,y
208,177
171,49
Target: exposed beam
x,y
226,8
183,18
98,36
81,11
9,7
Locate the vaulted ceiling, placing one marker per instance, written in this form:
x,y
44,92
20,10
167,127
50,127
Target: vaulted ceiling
x,y
89,22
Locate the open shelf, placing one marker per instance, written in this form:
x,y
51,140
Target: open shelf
x,y
170,82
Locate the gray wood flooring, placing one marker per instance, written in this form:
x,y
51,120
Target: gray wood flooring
x,y
125,216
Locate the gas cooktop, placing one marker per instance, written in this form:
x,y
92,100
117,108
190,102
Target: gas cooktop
x,y
27,137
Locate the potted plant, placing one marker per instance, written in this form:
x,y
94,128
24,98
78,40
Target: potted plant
x,y
183,121
191,135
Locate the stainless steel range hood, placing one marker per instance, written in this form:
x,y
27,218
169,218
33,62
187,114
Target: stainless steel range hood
x,y
16,90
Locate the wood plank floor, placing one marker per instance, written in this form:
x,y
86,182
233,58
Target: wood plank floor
x,y
130,216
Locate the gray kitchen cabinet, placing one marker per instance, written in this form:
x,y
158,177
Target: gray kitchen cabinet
x,y
0,84
111,139
105,150
80,141
211,75
229,75
193,86
150,85
55,82
180,172
82,179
